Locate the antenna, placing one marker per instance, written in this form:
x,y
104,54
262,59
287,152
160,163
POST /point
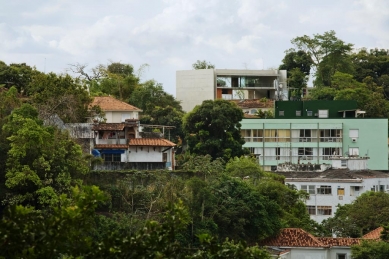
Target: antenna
x,y
44,71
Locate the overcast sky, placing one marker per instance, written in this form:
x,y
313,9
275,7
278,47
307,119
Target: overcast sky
x,y
170,35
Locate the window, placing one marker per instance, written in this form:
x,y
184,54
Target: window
x,y
308,188
353,151
278,152
323,114
311,210
340,191
343,163
330,151
354,133
281,113
341,256
309,113
330,135
324,189
164,157
305,135
324,210
112,157
356,188
298,113
253,111
305,153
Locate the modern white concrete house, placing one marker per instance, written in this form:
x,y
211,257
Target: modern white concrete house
x,y
195,86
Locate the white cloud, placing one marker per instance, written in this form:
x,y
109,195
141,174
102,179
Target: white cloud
x,y
170,35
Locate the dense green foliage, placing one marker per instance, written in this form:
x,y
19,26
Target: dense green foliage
x,y
214,128
357,219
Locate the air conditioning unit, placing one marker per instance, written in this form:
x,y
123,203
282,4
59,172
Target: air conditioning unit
x,y
340,197
354,139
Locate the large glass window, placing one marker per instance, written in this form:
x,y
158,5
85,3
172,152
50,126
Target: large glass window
x,y
328,152
305,153
324,210
353,151
311,210
111,157
324,189
308,188
330,135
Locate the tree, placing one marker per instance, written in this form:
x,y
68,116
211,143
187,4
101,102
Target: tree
x,y
357,219
214,128
202,64
18,75
370,249
297,59
42,162
59,95
244,166
159,108
328,54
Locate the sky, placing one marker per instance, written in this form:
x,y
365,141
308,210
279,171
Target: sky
x,y
171,35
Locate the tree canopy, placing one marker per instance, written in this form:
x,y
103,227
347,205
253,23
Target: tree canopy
x,y
202,64
214,128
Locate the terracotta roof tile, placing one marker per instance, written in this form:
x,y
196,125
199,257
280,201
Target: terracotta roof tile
x,y
151,142
111,146
374,234
294,237
109,126
108,103
331,241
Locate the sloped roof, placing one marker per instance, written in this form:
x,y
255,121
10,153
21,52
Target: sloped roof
x,y
294,237
109,126
297,237
111,146
151,142
331,241
374,234
108,103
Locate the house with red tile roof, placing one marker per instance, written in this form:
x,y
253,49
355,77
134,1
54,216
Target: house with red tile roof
x,y
296,243
116,137
115,111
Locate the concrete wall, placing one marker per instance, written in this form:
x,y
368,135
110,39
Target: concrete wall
x,y
195,86
119,116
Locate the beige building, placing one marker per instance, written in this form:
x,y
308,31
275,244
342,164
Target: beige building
x,y
195,86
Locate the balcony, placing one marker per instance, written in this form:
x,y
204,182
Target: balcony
x,y
111,141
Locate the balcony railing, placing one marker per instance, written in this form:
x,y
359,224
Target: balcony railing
x,y
111,141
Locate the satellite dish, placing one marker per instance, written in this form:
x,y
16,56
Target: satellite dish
x,y
281,86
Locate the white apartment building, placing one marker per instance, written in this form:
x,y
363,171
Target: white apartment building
x,y
335,186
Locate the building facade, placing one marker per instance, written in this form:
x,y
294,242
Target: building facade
x,y
195,86
335,187
312,132
116,137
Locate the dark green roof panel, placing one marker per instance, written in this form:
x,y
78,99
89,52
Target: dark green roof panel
x,y
310,109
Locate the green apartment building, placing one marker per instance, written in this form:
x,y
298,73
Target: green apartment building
x,y
314,132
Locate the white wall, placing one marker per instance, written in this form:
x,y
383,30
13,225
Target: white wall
x,y
145,154
195,86
309,253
